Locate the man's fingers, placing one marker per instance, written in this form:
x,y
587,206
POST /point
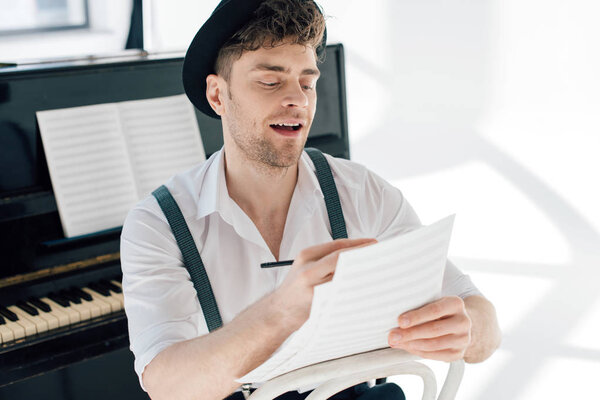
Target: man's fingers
x,y
457,324
443,307
322,271
446,342
314,253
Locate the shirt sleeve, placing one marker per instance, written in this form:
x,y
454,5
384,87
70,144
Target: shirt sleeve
x,y
398,217
160,299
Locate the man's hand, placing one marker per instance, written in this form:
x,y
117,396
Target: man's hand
x,y
313,266
440,330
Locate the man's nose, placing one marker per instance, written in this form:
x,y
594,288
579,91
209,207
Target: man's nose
x,y
295,96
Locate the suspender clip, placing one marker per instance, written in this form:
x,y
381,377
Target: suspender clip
x,y
246,390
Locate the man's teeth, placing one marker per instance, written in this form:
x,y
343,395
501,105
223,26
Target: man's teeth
x,y
287,124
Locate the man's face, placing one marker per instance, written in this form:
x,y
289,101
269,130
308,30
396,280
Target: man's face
x,y
270,103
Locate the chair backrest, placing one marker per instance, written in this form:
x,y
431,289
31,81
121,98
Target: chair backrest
x,y
335,375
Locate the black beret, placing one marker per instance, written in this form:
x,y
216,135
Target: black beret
x,y
227,18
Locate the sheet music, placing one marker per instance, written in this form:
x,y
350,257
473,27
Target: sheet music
x,y
372,286
163,138
91,175
104,158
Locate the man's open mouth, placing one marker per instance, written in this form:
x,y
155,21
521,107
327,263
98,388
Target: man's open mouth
x,y
286,127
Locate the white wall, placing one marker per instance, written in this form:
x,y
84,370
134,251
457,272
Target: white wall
x,y
490,109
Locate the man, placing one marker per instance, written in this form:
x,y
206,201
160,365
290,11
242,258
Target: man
x,y
254,64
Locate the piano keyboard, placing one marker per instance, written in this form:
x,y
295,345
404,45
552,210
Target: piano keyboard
x,y
57,309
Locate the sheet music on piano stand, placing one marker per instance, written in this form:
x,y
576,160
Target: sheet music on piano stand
x,y
104,158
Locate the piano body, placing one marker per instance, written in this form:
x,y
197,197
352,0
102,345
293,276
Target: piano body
x,y
63,332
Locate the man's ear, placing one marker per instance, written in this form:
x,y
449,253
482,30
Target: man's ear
x,y
214,90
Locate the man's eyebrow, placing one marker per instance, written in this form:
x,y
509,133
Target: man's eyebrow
x,y
278,68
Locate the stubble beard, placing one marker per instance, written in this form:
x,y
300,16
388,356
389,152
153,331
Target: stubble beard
x,y
258,149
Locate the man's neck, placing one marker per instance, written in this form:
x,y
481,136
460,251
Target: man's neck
x,y
257,188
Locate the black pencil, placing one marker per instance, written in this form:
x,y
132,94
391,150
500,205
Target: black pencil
x,y
276,264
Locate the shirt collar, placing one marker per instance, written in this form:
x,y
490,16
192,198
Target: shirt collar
x,y
215,197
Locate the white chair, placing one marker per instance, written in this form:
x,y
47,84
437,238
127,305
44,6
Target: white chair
x,y
336,375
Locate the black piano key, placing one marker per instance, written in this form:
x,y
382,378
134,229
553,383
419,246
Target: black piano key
x,y
83,295
27,308
39,304
11,316
99,289
111,286
70,297
74,295
58,299
2,321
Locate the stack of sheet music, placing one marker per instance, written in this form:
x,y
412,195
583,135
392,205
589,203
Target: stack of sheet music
x,y
371,287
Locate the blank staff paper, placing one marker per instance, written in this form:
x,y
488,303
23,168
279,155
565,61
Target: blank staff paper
x,y
371,287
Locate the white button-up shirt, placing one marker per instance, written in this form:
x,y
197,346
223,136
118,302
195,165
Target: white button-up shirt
x,y
160,300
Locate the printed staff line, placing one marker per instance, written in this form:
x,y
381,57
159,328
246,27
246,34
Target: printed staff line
x,y
77,113
75,144
73,123
161,104
152,122
105,147
165,129
96,185
337,347
154,104
128,116
118,217
394,261
175,159
116,165
99,175
410,240
78,161
104,202
408,294
82,136
177,142
419,267
167,158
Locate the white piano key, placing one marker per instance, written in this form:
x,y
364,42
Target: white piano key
x,y
91,307
61,315
52,320
118,295
84,312
115,303
40,324
73,314
29,326
105,305
17,330
6,334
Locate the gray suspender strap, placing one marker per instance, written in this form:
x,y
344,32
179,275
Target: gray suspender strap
x,y
332,199
191,257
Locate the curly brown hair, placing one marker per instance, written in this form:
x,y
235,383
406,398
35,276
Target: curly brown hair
x,y
275,22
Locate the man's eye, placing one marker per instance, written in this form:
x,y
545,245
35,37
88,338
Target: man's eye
x,y
308,87
269,84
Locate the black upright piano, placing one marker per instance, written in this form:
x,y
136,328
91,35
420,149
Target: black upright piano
x,y
63,332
